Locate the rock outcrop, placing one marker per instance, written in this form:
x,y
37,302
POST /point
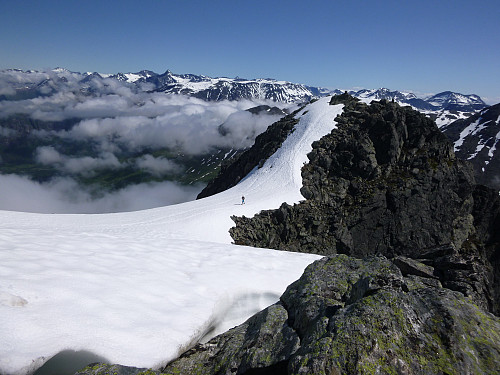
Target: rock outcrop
x,y
352,316
387,182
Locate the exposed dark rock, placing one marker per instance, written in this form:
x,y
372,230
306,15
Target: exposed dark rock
x,y
351,316
387,181
266,110
265,145
410,266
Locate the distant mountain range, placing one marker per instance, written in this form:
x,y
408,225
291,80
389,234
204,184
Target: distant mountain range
x,y
15,84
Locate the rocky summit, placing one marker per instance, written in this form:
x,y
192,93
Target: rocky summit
x,y
352,316
387,181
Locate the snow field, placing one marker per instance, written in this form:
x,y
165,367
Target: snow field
x,y
138,287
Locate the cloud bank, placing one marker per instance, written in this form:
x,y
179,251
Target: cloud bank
x,y
65,196
85,165
147,120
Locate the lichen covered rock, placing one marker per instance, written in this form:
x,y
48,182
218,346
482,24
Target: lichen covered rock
x,y
352,316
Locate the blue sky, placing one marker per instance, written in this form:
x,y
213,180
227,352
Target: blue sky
x,y
421,46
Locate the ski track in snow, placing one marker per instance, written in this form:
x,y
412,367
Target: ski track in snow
x,y
137,287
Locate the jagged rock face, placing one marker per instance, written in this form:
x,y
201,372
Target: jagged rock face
x,y
387,181
381,167
265,145
351,316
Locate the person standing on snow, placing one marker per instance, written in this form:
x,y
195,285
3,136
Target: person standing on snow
x,y
243,200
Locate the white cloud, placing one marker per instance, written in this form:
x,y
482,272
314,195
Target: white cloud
x,y
85,165
167,121
48,155
237,134
64,195
117,117
7,90
157,166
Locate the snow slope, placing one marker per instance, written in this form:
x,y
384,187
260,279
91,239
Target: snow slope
x,y
138,287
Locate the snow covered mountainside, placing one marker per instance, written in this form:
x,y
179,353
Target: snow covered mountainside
x,y
476,139
137,288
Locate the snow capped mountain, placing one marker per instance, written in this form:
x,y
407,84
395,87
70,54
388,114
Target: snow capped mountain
x,y
212,89
451,106
383,93
133,77
477,139
403,98
216,89
455,101
444,107
443,101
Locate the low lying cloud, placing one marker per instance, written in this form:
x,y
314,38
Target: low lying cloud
x,y
148,121
64,195
157,166
48,155
85,165
236,134
6,90
173,121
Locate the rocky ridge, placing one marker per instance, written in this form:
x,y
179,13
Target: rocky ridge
x,y
352,316
387,181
